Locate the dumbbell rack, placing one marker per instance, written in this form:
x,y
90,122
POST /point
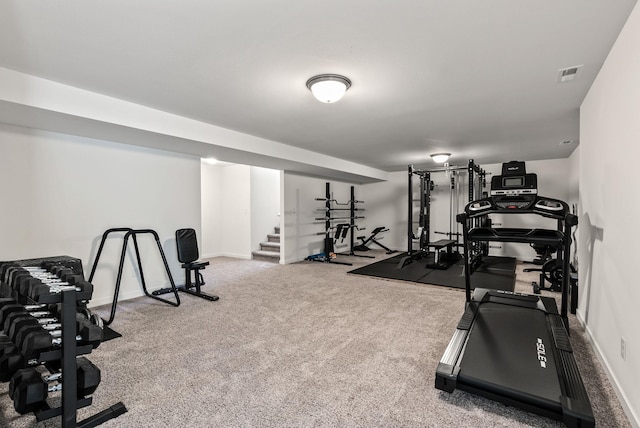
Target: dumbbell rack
x,y
68,301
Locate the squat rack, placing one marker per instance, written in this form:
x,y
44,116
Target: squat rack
x,y
476,182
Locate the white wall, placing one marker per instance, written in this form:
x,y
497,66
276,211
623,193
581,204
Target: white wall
x,y
240,206
62,192
236,211
265,204
300,209
609,227
385,205
211,194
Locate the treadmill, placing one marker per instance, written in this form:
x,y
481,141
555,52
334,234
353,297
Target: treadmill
x,y
510,347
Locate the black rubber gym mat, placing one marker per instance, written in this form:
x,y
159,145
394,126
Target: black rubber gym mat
x,y
497,273
109,334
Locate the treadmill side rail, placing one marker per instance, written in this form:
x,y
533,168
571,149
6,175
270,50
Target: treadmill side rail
x,y
576,407
448,369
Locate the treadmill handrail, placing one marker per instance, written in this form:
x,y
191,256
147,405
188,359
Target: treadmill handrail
x,y
551,237
530,204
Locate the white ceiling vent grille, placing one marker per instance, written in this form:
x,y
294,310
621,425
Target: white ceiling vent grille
x,y
570,73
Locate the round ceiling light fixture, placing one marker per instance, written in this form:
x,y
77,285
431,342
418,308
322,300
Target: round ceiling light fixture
x,y
328,88
440,157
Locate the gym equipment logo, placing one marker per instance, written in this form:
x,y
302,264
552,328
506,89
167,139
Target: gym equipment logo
x,y
542,353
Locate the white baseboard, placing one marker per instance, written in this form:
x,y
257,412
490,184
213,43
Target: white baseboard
x,y
284,261
109,299
624,402
210,255
232,255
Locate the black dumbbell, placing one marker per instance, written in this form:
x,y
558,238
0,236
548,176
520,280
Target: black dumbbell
x,y
29,389
11,359
4,267
93,317
9,311
45,289
13,272
21,278
36,281
34,319
34,340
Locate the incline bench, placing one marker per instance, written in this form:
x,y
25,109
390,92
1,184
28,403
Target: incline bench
x,y
372,239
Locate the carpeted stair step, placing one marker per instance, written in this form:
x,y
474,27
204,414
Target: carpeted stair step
x,y
270,256
273,237
277,230
270,246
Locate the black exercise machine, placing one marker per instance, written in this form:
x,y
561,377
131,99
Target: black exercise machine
x,y
188,255
444,253
510,347
133,234
372,238
337,231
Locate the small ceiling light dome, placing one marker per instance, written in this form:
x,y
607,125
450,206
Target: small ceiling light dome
x,y
328,88
210,161
440,157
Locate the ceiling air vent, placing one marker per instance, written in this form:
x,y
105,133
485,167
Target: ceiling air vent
x,y
568,74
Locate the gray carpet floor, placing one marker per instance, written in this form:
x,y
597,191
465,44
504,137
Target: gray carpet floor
x,y
300,345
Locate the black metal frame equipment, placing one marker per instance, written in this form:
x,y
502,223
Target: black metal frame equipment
x,y
476,183
188,255
511,347
133,234
333,230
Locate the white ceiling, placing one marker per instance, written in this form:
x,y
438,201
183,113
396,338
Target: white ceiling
x,y
474,78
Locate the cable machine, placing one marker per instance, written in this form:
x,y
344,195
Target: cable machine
x,y
443,249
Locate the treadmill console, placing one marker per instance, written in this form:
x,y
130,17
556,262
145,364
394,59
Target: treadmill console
x,y
516,191
514,181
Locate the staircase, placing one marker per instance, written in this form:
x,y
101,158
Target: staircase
x,y
270,250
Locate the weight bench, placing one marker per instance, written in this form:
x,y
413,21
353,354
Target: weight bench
x,y
437,246
372,239
188,255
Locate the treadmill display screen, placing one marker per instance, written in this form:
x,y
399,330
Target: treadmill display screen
x,y
513,181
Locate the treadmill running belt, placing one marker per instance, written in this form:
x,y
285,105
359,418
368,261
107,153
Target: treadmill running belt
x,y
509,351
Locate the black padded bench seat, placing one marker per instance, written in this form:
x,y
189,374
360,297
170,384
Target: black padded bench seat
x,y
442,243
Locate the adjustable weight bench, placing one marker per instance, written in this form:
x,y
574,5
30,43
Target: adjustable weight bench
x,y
372,239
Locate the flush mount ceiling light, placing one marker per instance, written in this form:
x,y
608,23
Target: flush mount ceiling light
x,y
210,161
440,157
328,88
